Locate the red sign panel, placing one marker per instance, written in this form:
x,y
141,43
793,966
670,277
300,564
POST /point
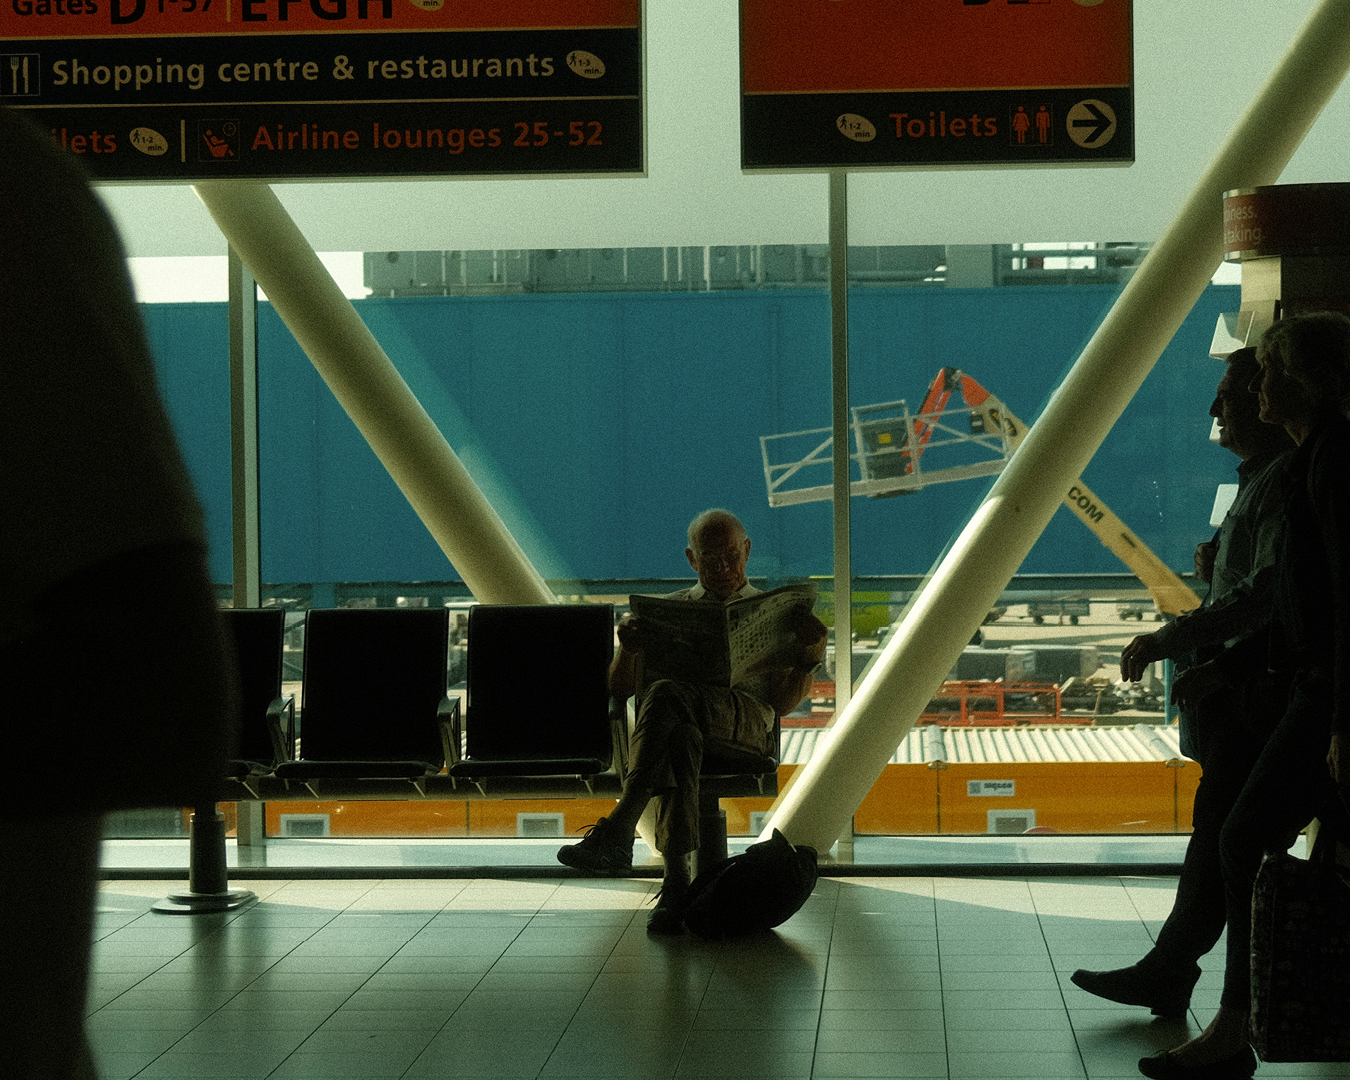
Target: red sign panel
x,y
859,83
267,89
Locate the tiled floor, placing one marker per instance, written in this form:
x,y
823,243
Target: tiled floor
x,y
875,977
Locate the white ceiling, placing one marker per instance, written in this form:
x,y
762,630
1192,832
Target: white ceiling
x,y
1197,64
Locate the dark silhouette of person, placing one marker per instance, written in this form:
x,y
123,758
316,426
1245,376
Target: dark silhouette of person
x,y
1223,732
1303,386
117,682
677,722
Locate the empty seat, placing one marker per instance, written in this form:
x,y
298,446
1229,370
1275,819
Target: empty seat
x,y
374,695
538,691
267,728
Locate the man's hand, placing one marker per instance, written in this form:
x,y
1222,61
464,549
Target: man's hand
x,y
1195,684
1136,657
811,635
624,667
1204,560
632,635
794,665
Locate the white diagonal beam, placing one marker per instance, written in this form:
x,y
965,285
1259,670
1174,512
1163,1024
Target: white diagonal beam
x,y
373,393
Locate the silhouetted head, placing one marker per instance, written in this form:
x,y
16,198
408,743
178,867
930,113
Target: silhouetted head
x,y
1304,375
1238,412
718,551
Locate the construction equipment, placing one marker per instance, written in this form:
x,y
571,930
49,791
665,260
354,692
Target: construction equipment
x,y
889,445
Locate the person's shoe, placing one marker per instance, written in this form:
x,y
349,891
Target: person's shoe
x,y
1164,1066
668,915
601,851
1168,996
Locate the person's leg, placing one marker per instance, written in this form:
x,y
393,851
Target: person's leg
x,y
1162,980
664,707
677,806
677,723
46,928
1289,786
677,827
1198,914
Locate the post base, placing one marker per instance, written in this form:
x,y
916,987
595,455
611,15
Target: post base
x,y
191,903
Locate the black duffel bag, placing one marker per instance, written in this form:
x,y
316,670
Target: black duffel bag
x,y
759,889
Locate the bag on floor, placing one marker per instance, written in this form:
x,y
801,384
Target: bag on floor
x,y
1301,957
759,889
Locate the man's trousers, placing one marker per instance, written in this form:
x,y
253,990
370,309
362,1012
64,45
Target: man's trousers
x,y
677,723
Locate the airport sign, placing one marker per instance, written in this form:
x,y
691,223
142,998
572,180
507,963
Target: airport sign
x,y
186,90
859,84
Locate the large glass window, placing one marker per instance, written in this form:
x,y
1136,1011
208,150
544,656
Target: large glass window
x,y
602,397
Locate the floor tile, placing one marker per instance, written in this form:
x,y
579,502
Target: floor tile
x,y
412,1019
122,1065
887,1065
233,1065
882,999
892,1040
329,1066
1058,1040
1030,1063
985,1001
928,1020
778,1063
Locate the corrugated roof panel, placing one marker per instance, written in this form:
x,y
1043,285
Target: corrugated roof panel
x,y
1002,745
913,748
798,745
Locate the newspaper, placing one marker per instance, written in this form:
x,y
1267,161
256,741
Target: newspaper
x,y
720,644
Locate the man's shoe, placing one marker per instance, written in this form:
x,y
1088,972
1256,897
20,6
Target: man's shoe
x,y
668,915
1164,1066
1166,995
601,851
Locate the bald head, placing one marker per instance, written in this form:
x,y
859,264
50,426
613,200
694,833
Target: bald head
x,y
718,551
717,519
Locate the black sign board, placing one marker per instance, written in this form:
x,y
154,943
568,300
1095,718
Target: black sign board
x,y
289,89
935,83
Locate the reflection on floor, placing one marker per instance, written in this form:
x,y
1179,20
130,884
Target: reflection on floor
x,y
476,977
868,851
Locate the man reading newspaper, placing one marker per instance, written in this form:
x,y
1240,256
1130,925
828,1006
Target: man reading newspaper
x,y
713,682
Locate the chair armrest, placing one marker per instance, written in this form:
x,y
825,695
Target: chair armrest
x,y
448,719
283,740
618,725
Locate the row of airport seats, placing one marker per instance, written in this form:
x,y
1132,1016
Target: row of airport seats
x,y
376,721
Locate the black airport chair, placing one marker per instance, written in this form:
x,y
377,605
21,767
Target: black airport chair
x,y
537,691
267,717
374,696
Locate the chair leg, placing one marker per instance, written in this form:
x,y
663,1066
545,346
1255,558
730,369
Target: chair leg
x,y
208,880
712,831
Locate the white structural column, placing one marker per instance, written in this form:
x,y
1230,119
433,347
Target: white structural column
x,y
370,389
1080,414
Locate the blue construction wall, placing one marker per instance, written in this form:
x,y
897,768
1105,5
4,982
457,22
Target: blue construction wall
x,y
600,423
